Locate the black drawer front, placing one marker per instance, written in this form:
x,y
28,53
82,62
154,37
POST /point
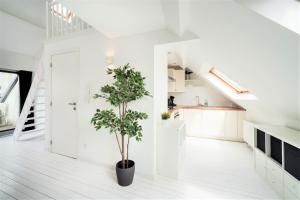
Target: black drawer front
x,y
292,160
260,140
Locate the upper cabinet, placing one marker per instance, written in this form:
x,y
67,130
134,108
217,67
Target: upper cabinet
x,y
176,81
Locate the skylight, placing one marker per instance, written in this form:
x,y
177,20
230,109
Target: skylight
x,y
62,12
228,86
233,85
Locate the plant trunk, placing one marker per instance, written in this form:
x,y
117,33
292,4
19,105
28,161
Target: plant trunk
x,y
127,151
123,152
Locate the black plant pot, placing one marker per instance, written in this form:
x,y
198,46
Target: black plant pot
x,y
125,175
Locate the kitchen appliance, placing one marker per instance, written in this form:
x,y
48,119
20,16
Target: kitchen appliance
x,y
171,103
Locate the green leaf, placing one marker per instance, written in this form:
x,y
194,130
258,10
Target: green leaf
x,y
128,86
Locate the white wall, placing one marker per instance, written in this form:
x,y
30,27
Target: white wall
x,y
138,50
204,91
257,53
16,61
19,36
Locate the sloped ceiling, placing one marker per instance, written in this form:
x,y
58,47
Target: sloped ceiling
x,y
32,11
19,36
116,18
284,12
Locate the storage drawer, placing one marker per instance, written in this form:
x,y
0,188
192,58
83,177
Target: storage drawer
x,y
292,184
288,195
275,169
260,163
275,176
275,182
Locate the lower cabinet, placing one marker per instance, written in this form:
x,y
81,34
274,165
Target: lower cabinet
x,y
292,187
260,163
286,186
217,124
248,133
275,176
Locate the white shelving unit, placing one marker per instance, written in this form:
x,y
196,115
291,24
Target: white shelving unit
x,y
272,170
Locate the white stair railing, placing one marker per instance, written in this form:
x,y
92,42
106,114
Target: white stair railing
x,y
19,134
61,21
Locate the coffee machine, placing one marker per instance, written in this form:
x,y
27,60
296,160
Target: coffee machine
x,y
171,103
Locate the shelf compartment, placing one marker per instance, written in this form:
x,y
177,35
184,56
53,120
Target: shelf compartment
x,y
292,160
276,149
261,140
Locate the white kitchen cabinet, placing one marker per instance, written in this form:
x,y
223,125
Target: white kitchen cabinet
x,y
171,80
241,118
212,124
192,119
248,131
178,82
231,124
217,124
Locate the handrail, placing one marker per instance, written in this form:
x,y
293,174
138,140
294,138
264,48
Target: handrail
x,y
60,25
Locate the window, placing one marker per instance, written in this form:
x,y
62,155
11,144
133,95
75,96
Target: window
x,y
61,11
7,84
228,86
234,86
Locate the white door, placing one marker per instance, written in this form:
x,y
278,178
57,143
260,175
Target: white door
x,y
65,84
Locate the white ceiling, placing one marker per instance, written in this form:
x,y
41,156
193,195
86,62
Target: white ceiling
x,y
116,18
32,11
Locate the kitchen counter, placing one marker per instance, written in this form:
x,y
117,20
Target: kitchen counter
x,y
207,108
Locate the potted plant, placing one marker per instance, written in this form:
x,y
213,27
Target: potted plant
x,y
165,115
121,121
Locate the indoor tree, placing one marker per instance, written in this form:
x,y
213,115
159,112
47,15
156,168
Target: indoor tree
x,y
128,86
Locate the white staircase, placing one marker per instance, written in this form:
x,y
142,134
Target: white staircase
x,y
31,122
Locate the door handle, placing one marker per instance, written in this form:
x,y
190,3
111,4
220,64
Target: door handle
x,y
72,104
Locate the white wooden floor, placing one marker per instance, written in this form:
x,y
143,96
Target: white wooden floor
x,y
30,172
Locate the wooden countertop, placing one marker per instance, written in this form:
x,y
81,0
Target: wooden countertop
x,y
207,108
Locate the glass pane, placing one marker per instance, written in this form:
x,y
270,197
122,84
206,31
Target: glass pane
x,y
6,80
9,101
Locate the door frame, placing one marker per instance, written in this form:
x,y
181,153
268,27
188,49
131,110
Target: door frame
x,y
74,50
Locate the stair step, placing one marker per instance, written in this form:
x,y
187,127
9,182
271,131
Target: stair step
x,y
33,124
32,111
39,103
35,118
27,135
